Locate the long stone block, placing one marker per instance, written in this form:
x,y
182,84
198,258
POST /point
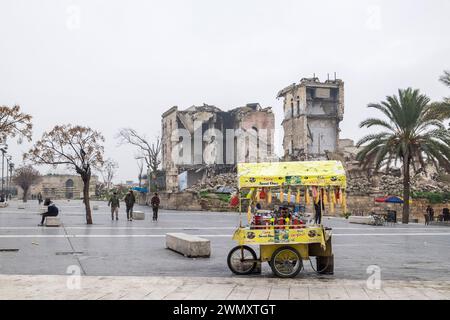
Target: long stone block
x,y
361,220
52,222
188,245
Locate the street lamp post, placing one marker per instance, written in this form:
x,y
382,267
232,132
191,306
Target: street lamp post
x,y
8,161
3,149
11,168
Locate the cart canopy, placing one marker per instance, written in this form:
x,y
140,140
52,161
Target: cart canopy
x,y
301,173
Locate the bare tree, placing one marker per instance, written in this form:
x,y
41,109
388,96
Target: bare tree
x,y
79,148
108,172
14,123
140,163
150,151
25,177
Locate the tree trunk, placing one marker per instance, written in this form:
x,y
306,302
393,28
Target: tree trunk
x,y
406,191
86,179
25,194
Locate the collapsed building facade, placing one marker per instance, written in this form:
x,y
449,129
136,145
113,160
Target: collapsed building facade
x,y
312,113
205,139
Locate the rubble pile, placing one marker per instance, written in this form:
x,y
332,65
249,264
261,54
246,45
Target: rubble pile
x,y
393,185
223,183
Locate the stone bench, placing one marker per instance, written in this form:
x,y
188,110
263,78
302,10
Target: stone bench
x,y
138,215
95,207
3,204
361,220
21,206
188,245
52,222
440,223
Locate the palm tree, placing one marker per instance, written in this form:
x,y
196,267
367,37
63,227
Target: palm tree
x,y
445,78
413,134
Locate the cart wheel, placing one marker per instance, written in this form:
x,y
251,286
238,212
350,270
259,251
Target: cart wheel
x,y
237,260
286,262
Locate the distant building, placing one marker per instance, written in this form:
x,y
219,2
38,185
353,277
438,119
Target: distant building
x,y
203,137
312,113
60,186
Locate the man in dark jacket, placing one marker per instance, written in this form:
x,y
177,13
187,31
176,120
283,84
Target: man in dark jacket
x,y
130,199
52,211
318,208
430,213
155,205
114,202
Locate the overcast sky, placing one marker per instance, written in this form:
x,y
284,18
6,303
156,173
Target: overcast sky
x,y
115,63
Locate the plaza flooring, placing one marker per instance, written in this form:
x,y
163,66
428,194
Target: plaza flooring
x,y
130,259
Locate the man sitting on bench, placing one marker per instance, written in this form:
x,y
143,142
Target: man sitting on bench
x,y
52,211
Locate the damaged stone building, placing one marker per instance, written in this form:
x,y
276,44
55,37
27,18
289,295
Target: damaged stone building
x,y
312,113
205,139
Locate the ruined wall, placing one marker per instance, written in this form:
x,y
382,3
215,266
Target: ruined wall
x,y
263,143
366,204
324,135
206,140
312,112
169,124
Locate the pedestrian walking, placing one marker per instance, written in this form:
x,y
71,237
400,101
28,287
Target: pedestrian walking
x,y
155,206
39,197
430,213
446,214
114,202
52,211
129,199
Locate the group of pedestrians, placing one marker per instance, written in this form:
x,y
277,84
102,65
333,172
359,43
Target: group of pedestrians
x,y
429,215
130,200
114,203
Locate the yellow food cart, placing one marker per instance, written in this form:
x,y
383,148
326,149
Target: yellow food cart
x,y
285,245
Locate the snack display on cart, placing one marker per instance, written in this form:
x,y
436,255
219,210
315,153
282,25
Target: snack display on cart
x,y
276,198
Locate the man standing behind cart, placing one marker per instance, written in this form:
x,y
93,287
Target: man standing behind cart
x,y
318,208
155,205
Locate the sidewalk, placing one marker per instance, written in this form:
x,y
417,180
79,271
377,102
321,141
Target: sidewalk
x,y
182,288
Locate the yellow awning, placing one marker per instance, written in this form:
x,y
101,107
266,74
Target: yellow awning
x,y
301,173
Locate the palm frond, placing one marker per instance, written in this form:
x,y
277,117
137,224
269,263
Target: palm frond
x,y
445,78
376,122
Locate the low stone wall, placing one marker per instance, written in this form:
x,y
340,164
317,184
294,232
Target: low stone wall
x,y
366,204
190,201
187,201
356,205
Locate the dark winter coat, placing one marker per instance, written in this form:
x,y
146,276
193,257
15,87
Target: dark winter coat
x,y
130,199
114,202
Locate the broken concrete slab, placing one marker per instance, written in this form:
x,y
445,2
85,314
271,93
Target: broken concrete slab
x,y
188,245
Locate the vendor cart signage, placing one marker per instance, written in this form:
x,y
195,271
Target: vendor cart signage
x,y
312,173
266,236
